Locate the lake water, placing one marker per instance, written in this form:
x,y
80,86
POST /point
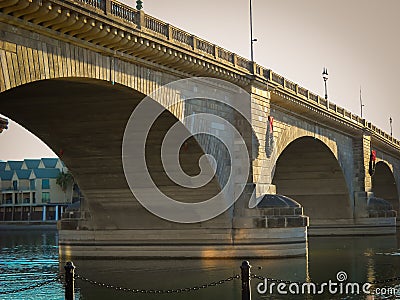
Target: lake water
x,y
31,256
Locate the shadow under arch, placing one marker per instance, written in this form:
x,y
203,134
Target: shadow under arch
x,y
384,185
309,172
86,118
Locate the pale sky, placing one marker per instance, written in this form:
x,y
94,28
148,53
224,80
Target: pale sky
x,y
357,40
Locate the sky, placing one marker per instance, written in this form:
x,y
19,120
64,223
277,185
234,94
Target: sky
x,y
357,40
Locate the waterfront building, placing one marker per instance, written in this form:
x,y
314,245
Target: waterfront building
x,y
30,192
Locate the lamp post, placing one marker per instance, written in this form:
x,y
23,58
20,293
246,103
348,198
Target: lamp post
x,y
325,77
252,40
391,128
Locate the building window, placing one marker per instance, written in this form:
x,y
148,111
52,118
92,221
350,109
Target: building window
x,y
45,183
32,184
15,185
26,198
45,197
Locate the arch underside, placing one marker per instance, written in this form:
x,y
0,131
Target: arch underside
x,y
86,119
308,172
384,185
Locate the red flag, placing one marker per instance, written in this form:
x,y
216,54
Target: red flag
x,y
373,155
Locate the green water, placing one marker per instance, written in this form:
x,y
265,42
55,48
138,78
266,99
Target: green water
x,y
31,256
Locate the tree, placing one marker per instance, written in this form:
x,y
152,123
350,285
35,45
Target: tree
x,y
64,180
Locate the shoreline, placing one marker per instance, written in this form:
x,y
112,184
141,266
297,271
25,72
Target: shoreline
x,y
26,225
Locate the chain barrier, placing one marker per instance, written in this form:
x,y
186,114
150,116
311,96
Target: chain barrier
x,y
254,276
154,291
60,279
385,281
31,287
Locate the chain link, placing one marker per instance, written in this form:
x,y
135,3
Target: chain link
x,y
385,280
31,287
300,283
273,280
154,291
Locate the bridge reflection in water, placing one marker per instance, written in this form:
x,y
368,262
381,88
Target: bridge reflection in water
x,y
32,255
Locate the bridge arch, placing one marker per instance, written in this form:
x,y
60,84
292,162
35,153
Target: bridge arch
x,y
86,119
384,184
308,171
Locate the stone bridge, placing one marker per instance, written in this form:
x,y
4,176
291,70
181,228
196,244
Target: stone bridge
x,y
72,72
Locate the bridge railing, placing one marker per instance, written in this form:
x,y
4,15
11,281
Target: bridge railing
x,y
123,11
207,49
226,55
307,95
156,25
182,37
99,4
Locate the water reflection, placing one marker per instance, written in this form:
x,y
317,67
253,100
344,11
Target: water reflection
x,y
167,274
360,257
32,256
28,258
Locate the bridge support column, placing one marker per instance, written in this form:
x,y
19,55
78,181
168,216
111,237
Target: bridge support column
x,y
363,206
261,160
362,179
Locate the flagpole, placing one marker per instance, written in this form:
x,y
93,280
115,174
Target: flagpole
x,y
361,104
252,40
251,33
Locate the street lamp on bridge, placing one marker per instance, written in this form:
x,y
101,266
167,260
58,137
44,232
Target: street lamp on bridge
x,y
325,77
391,128
139,5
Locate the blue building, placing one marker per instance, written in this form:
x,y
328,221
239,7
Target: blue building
x,y
29,190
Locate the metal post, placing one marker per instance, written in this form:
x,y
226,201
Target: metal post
x,y
361,104
44,213
251,34
246,291
69,281
391,127
56,216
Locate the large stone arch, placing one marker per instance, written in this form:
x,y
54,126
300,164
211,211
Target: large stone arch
x,y
86,118
384,184
289,135
288,128
309,172
25,59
